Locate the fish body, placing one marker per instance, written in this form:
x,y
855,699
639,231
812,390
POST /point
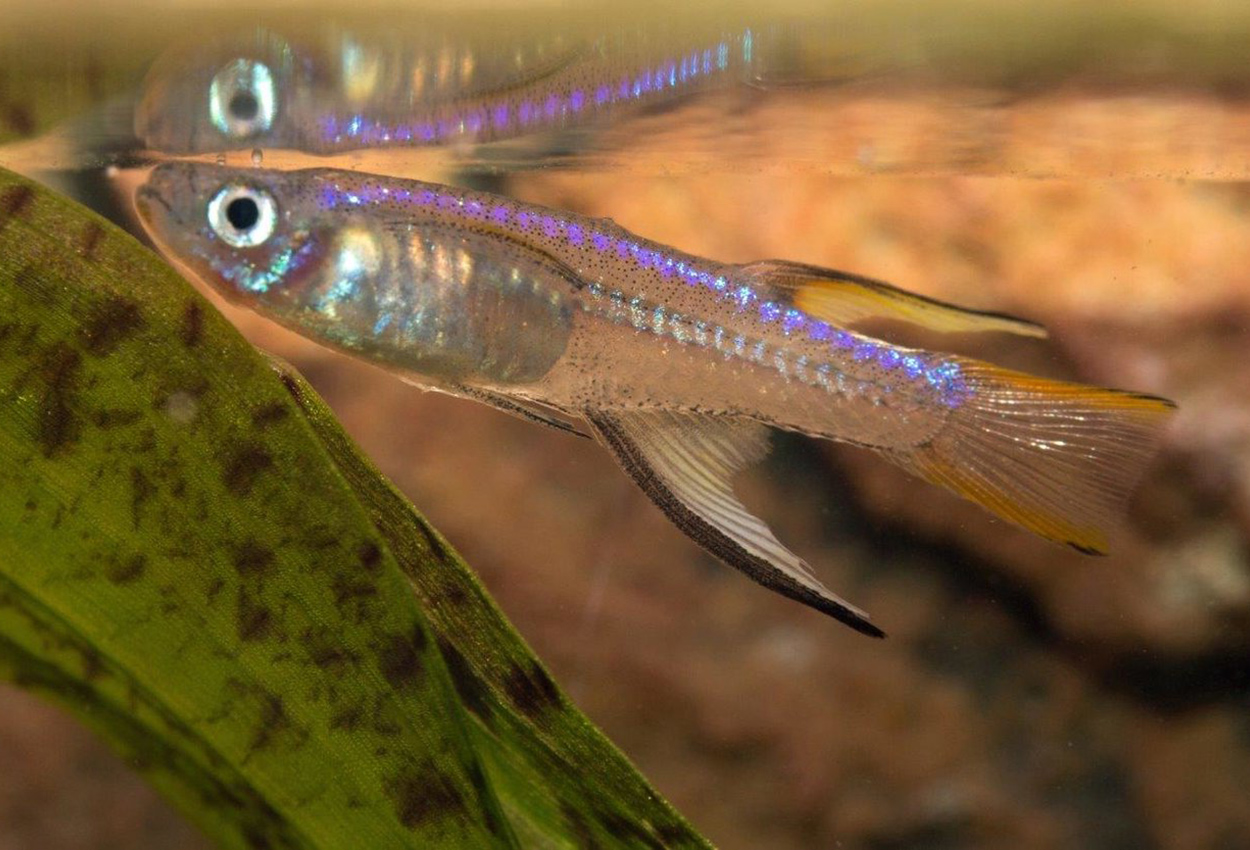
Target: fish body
x,y
341,91
679,365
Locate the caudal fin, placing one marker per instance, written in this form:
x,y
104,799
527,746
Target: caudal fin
x,y
1057,458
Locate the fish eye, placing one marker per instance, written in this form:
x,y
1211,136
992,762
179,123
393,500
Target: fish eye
x,y
242,99
243,216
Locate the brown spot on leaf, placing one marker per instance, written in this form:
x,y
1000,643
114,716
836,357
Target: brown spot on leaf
x,y
110,324
14,202
274,721
90,240
531,690
192,328
126,570
347,717
348,588
326,650
253,618
370,555
400,658
115,418
252,558
269,414
244,467
140,491
214,587
472,692
58,423
423,793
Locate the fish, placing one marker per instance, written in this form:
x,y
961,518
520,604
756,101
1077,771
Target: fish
x,y
680,366
342,90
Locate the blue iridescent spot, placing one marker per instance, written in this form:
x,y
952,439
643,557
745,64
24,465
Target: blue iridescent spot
x,y
523,219
622,248
769,311
842,339
426,132
552,106
382,322
501,115
473,208
601,95
550,226
500,214
742,296
793,321
327,198
913,366
575,234
600,241
820,331
354,125
474,122
404,133
864,351
577,100
888,357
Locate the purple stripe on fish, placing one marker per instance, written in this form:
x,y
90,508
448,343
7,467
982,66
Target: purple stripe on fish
x,y
944,376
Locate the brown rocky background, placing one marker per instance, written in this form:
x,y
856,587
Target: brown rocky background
x,y
1027,697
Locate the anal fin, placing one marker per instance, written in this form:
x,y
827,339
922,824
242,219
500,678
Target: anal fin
x,y
685,463
843,299
519,408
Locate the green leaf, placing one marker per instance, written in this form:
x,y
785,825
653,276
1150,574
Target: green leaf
x,y
197,561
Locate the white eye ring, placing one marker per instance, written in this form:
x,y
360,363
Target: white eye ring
x,y
242,99
243,216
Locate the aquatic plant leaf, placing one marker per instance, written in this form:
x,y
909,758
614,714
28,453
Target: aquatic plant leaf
x,y
198,562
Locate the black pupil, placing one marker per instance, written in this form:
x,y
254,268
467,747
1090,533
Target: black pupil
x,y
242,213
244,105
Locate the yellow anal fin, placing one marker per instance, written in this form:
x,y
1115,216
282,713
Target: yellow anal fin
x,y
1057,458
843,299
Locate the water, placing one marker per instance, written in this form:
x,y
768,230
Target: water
x,y
1082,168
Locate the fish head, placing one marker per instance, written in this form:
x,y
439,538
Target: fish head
x,y
224,94
257,237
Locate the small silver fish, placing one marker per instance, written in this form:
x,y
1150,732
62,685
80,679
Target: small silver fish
x,y
343,91
678,365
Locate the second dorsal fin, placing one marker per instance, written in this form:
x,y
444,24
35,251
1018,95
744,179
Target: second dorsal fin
x,y
843,299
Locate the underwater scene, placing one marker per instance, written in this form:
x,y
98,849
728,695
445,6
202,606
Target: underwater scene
x,y
828,425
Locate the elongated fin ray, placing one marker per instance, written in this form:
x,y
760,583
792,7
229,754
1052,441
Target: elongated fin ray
x,y
685,463
519,408
843,299
1057,458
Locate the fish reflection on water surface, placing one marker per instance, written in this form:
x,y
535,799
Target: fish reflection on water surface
x,y
341,91
678,365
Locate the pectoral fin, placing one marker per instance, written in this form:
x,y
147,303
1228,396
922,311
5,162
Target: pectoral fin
x,y
685,463
844,299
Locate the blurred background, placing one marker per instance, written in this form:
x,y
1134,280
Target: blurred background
x,y
1085,169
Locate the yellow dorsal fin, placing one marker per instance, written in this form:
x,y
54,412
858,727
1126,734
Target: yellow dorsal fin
x,y
844,299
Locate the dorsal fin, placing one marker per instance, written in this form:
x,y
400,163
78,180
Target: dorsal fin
x,y
843,299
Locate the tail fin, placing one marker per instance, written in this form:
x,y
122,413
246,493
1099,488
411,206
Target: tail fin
x,y
1057,458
